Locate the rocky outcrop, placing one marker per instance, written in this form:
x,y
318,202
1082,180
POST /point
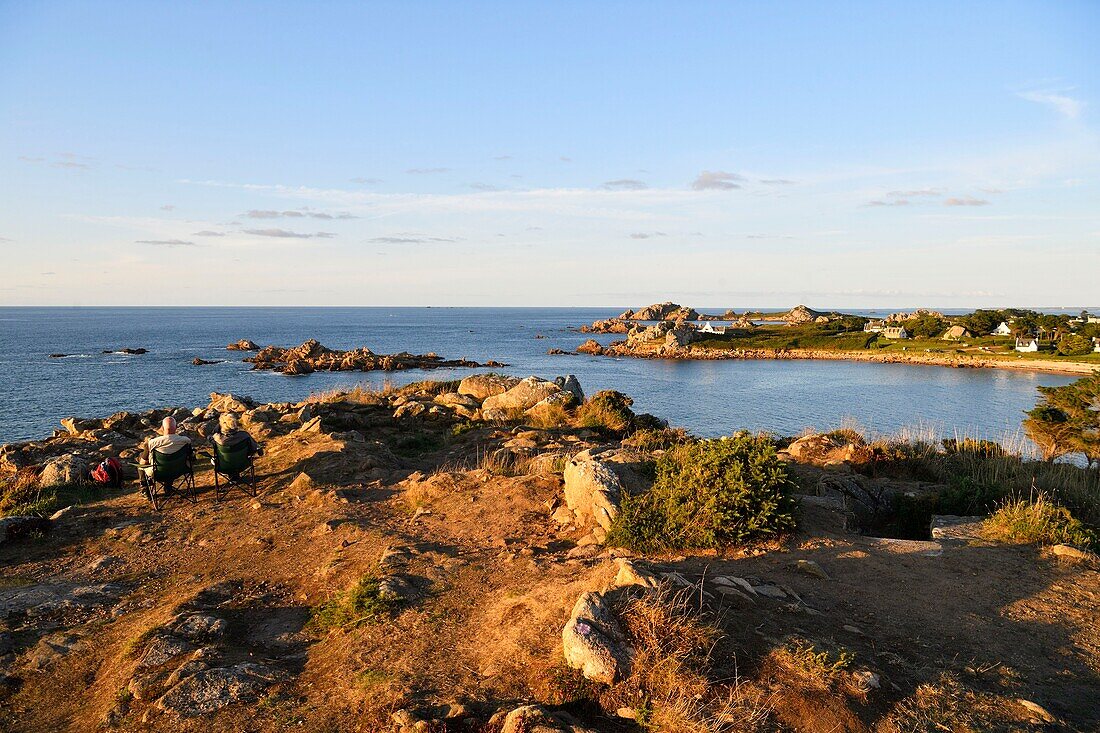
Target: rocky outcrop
x,y
609,325
593,640
65,470
202,362
592,490
480,386
132,352
243,345
666,311
902,317
799,315
826,449
312,356
523,395
591,346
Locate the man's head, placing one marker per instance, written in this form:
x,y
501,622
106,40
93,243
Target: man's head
x,y
228,422
168,426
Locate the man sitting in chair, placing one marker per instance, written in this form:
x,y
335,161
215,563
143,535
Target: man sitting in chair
x,y
168,442
231,436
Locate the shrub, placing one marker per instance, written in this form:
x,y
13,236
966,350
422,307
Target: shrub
x,y
1074,345
364,602
607,410
707,494
1039,520
650,440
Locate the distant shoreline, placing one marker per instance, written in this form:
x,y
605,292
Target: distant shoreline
x,y
958,361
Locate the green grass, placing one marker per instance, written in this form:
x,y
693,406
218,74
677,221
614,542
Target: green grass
x,y
364,602
1041,521
21,495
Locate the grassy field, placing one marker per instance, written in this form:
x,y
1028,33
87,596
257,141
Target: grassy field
x,y
813,336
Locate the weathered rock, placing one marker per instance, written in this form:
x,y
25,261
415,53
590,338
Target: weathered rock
x,y
243,345
311,356
662,312
212,689
537,719
554,403
811,568
230,403
957,528
594,642
17,527
203,362
524,394
570,384
591,346
76,425
64,470
457,399
1069,553
592,490
630,573
50,649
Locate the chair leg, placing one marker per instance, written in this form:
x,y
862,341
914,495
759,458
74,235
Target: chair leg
x,y
217,487
151,494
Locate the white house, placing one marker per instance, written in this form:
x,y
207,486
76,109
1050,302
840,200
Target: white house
x,y
873,326
1096,345
708,328
1027,343
1003,330
895,332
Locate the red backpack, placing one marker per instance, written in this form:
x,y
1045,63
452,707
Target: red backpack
x,y
108,473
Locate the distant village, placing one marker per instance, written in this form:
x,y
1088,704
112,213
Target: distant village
x,y
1031,331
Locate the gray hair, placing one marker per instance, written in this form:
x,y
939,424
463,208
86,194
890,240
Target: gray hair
x,y
168,425
228,422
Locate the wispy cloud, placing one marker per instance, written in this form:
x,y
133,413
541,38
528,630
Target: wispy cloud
x,y
894,202
716,181
287,234
624,184
31,159
484,187
168,207
208,233
965,201
71,164
914,193
647,235
166,242
1068,107
365,181
502,157
412,238
426,171
295,214
778,181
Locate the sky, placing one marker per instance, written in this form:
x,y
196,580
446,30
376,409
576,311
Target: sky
x,y
733,154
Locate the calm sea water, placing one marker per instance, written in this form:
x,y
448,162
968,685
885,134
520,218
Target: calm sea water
x,y
707,397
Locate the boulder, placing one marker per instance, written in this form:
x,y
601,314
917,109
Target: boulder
x,y
591,346
537,719
592,490
15,527
230,402
480,386
243,345
525,394
76,425
630,573
457,399
593,640
63,471
570,384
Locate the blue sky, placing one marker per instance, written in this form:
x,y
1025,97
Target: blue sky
x,y
412,153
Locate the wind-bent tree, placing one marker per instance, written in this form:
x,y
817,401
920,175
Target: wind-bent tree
x,y
1067,420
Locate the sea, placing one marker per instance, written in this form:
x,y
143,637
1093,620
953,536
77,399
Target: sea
x,y
709,398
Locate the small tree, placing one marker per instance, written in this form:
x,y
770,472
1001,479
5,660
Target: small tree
x,y
1067,419
1074,345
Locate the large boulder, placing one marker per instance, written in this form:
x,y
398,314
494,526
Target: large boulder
x,y
592,490
76,425
569,383
480,386
64,470
212,689
526,393
230,402
593,640
243,345
665,312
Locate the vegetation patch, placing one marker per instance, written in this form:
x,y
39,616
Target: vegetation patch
x,y
363,603
606,410
1039,520
707,494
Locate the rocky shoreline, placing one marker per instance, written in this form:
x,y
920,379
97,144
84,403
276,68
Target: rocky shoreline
x,y
312,356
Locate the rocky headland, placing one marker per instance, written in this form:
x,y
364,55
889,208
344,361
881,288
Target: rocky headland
x,y
448,556
311,356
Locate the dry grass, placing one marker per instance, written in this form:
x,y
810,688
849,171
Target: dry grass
x,y
359,394
948,706
818,666
1039,520
670,685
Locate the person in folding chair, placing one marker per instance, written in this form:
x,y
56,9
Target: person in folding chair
x,y
165,459
234,450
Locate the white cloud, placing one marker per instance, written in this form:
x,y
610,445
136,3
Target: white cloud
x,y
1068,107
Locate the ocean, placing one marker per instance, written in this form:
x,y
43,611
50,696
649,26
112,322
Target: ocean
x,y
709,398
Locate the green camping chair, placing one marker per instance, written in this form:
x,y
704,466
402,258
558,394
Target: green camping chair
x,y
168,469
233,466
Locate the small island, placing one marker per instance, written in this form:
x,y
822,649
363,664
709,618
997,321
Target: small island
x,y
312,356
1009,338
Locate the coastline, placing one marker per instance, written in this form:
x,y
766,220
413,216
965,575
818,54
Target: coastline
x,y
957,361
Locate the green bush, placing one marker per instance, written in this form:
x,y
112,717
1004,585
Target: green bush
x,y
1074,345
708,494
364,602
607,410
